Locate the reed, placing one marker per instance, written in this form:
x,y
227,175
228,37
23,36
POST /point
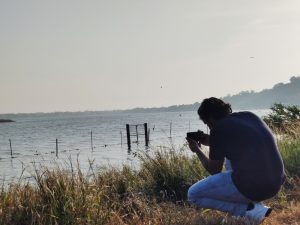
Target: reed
x,y
168,174
153,194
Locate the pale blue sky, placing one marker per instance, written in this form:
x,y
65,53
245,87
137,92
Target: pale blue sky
x,y
76,55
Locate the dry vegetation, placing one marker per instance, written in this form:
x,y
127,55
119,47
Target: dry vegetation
x,y
155,194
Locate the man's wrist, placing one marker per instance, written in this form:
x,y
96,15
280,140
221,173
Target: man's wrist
x,y
200,154
198,151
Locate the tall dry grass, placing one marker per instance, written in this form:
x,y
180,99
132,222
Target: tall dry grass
x,y
154,194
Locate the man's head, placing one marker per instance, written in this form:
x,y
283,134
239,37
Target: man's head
x,y
212,110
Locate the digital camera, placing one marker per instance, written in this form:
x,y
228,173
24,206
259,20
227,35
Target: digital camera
x,y
196,136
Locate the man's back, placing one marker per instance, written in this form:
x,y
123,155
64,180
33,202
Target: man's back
x,y
248,143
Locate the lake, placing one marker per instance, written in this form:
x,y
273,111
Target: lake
x,y
33,138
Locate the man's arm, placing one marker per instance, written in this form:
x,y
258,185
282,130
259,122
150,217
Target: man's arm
x,y
212,166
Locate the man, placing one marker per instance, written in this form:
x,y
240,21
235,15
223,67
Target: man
x,y
255,169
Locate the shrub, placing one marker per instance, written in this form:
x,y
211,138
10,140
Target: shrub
x,y
290,151
283,119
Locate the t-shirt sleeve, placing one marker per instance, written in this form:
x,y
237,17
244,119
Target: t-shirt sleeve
x,y
216,146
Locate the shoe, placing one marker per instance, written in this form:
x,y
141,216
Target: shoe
x,y
258,213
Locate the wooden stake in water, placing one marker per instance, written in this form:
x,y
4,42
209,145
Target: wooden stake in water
x,y
92,146
171,129
146,134
128,136
121,138
56,147
137,134
11,152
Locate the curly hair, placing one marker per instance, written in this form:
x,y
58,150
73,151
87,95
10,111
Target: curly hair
x,y
213,108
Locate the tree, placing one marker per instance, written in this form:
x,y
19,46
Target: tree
x,y
295,79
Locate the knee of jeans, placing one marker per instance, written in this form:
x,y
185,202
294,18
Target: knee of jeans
x,y
194,198
191,195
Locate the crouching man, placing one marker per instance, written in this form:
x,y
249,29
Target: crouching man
x,y
254,168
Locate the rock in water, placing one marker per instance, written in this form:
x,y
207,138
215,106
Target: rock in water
x,y
6,121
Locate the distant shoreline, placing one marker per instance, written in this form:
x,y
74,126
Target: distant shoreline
x,y
134,110
287,94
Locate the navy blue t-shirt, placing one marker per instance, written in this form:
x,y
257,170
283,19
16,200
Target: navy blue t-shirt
x,y
248,143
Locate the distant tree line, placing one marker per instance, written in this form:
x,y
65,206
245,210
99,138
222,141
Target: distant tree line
x,y
287,94
173,108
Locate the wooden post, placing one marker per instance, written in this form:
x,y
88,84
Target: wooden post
x,y
121,138
92,146
171,129
146,134
56,147
137,134
128,136
11,152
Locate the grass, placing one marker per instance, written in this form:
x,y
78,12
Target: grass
x,y
154,194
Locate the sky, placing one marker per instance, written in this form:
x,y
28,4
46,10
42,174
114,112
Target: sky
x,y
75,55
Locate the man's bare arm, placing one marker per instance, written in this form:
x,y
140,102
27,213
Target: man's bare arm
x,y
212,166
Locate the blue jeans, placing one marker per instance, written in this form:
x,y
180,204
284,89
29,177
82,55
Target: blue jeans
x,y
219,192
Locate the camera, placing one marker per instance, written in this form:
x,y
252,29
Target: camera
x,y
196,136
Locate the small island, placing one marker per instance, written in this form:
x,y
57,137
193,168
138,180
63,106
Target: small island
x,y
6,121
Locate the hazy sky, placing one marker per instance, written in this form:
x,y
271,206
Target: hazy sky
x,y
76,55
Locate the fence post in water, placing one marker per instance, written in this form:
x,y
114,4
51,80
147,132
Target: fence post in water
x,y
146,134
121,138
128,136
56,147
92,141
11,152
137,134
171,129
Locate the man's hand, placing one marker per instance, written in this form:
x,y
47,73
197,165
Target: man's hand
x,y
194,145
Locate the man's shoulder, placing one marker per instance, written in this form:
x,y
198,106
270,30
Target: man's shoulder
x,y
243,117
236,120
243,114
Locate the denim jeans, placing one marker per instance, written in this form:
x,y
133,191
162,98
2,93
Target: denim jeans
x,y
219,192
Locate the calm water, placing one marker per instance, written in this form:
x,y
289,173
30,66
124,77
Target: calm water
x,y
33,138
